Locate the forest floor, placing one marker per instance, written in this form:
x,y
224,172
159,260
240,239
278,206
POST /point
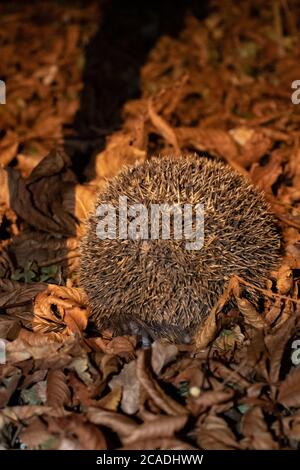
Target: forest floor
x,y
88,91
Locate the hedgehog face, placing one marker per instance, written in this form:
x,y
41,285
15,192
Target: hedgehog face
x,y
159,284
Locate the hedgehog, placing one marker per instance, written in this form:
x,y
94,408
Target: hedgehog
x,y
156,287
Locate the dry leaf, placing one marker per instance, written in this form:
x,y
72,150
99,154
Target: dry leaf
x,y
58,393
289,389
60,310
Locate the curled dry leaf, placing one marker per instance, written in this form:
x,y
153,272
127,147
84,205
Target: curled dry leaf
x,y
35,377
82,435
39,199
44,250
8,383
254,427
36,339
127,380
58,392
39,349
250,314
13,293
17,300
276,343
215,141
229,375
119,152
242,135
121,345
265,176
215,434
161,427
8,147
159,444
4,189
289,389
188,371
254,144
284,279
35,435
291,426
163,127
9,328
151,386
162,354
60,310
108,365
207,399
19,414
112,400
207,332
228,340
83,368
119,423
80,203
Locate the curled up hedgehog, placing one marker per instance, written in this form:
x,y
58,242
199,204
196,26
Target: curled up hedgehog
x,y
139,283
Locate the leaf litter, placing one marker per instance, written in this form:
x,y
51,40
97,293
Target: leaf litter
x,y
222,87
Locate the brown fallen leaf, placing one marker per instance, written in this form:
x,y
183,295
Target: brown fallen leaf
x,y
42,249
228,340
254,144
151,386
39,198
112,400
214,434
207,332
215,141
162,354
158,444
120,152
250,314
80,434
291,426
163,128
284,279
4,189
39,349
255,429
16,293
265,176
121,345
58,392
108,364
119,423
289,389
127,380
8,147
8,383
207,399
276,344
80,202
60,311
35,435
18,414
161,427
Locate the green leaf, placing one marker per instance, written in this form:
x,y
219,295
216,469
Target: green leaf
x,y
48,272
